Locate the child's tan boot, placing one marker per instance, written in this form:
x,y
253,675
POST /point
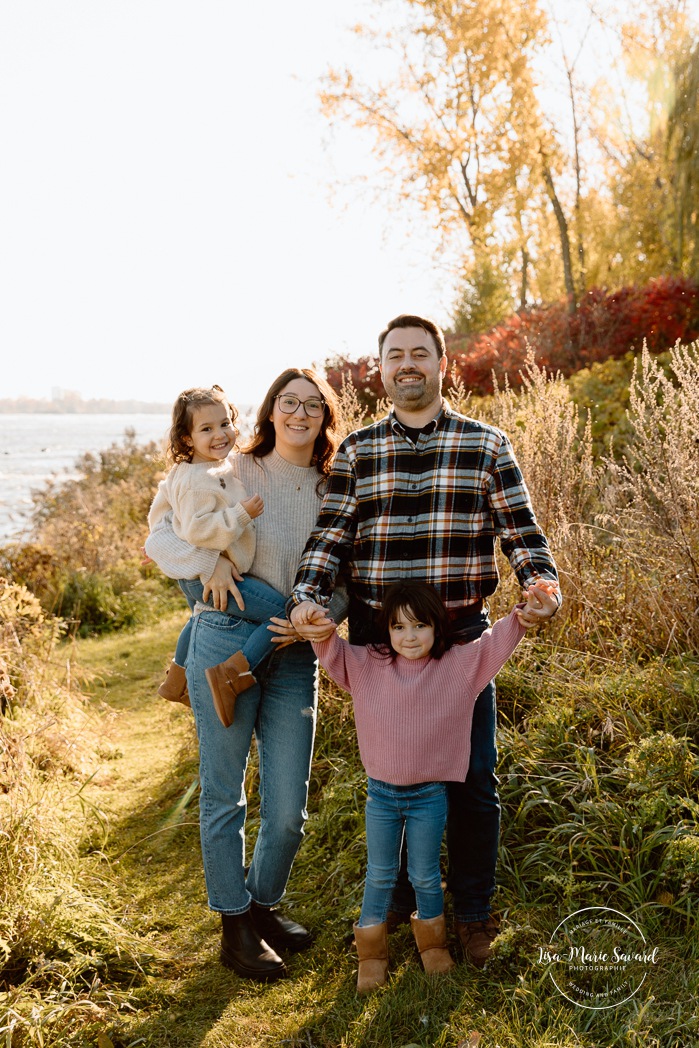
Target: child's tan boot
x,y
174,687
372,951
227,681
431,939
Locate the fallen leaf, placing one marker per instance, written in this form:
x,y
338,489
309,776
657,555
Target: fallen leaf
x,y
103,1041
472,1041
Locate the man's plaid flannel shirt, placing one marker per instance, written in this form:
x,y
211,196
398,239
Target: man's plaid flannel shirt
x,y
431,511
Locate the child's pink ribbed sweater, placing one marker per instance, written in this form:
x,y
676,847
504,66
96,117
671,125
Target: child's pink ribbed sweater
x,y
413,716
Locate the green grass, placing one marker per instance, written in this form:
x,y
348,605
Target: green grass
x,y
598,783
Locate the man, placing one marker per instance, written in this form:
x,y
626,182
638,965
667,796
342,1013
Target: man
x,y
423,494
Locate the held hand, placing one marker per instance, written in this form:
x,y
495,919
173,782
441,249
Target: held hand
x,y
541,603
311,621
286,634
253,506
323,632
221,585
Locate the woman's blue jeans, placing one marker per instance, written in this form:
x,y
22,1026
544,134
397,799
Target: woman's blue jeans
x,y
261,602
280,711
417,813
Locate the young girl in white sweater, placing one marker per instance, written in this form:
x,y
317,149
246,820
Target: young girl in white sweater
x,y
211,509
413,698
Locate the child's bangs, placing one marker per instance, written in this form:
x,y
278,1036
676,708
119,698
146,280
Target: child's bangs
x,y
412,616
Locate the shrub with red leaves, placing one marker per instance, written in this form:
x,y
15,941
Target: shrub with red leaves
x,y
363,374
605,324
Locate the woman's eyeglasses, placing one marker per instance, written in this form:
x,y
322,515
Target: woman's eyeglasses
x,y
288,403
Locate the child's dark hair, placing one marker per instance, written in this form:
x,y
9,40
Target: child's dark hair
x,y
420,602
177,447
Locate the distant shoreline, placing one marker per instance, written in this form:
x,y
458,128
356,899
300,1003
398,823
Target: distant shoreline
x,y
25,406
83,407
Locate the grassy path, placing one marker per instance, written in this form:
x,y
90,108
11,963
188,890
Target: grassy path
x,y
146,733
147,794
177,995
183,998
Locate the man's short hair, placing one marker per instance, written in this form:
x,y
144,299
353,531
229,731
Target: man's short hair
x,y
406,320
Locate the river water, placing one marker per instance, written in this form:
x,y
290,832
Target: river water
x,y
36,447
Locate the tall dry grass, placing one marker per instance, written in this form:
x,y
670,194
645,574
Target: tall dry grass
x,y
652,500
57,928
625,534
350,413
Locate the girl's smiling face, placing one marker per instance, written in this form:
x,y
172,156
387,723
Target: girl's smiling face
x,y
410,637
212,435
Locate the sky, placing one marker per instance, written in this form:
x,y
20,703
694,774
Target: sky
x,y
174,208
169,204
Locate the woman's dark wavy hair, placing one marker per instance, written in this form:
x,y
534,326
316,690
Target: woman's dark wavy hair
x,y
178,450
419,602
326,443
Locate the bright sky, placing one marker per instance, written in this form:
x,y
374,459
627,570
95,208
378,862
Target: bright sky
x,y
167,214
165,207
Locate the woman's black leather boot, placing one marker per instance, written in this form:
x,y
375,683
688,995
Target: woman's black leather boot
x,y
245,952
280,931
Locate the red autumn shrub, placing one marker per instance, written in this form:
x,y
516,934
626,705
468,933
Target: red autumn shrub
x,y
363,374
606,324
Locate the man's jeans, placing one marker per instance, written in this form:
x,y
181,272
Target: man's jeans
x,y
281,712
473,806
417,813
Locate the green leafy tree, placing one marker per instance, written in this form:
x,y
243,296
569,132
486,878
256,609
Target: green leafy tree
x,y
540,207
650,136
683,151
485,300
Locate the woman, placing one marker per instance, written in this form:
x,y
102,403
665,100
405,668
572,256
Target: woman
x,y
286,461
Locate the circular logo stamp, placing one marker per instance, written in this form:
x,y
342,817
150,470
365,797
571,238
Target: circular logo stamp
x,y
598,958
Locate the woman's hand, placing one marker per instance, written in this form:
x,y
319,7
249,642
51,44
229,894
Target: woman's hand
x,y
221,585
286,634
312,621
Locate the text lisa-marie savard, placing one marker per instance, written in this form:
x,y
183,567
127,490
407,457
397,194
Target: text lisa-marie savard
x,y
579,955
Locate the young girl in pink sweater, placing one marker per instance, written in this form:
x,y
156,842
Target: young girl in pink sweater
x,y
413,698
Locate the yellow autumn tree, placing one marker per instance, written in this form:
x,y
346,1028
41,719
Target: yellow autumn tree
x,y
457,125
541,200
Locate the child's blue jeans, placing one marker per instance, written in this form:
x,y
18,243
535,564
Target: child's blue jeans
x,y
419,812
261,602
